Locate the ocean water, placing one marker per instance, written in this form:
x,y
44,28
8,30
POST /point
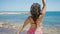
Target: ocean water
x,y
51,18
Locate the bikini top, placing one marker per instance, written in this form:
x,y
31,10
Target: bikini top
x,y
33,23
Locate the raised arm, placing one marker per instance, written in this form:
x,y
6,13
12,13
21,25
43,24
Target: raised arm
x,y
43,13
44,7
25,23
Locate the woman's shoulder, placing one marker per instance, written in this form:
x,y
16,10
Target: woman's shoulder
x,y
40,16
29,17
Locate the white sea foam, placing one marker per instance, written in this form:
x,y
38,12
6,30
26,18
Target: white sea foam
x,y
14,12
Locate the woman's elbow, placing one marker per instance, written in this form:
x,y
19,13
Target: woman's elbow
x,y
44,5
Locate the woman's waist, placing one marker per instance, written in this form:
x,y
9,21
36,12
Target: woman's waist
x,y
33,27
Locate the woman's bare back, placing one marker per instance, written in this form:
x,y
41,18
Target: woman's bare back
x,y
38,21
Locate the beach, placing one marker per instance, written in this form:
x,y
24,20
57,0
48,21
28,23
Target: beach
x,y
51,30
5,28
10,22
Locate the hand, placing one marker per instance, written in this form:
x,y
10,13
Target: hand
x,y
17,33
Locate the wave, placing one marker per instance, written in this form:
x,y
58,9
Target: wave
x,y
14,12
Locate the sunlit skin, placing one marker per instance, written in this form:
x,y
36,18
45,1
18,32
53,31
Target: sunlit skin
x,y
38,21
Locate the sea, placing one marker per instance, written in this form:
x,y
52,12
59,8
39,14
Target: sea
x,y
51,18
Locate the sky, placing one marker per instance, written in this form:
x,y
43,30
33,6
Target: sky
x,y
24,5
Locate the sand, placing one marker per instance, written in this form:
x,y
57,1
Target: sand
x,y
13,28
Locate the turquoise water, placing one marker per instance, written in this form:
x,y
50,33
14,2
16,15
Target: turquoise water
x,y
50,19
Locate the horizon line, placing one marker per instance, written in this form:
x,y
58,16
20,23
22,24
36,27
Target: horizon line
x,y
47,10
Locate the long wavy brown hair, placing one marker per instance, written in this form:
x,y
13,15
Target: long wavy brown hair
x,y
35,11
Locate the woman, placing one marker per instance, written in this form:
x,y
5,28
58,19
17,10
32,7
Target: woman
x,y
35,19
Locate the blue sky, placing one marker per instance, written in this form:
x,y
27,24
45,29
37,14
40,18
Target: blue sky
x,y
24,5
